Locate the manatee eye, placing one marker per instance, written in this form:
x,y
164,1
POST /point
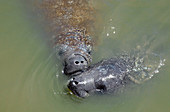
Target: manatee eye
x,y
76,82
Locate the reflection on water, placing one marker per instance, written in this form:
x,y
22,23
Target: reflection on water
x,y
30,74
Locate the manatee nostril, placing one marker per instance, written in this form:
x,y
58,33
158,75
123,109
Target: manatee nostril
x,y
76,82
82,61
76,62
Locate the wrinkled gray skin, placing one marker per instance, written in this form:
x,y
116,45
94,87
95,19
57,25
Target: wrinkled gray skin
x,y
75,64
75,52
106,77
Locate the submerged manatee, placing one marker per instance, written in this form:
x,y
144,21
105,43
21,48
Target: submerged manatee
x,y
72,23
109,75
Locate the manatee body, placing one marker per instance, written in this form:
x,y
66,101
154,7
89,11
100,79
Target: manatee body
x,y
110,75
72,23
106,76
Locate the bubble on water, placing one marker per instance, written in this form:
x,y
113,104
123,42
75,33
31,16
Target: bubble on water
x,y
57,75
62,71
112,27
156,71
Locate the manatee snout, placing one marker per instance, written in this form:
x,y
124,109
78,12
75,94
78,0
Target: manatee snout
x,y
81,86
75,88
75,64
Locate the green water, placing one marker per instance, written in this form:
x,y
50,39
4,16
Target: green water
x,y
30,75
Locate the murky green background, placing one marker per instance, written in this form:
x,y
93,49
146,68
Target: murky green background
x,y
30,75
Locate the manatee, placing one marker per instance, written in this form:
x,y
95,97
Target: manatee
x,y
72,25
109,75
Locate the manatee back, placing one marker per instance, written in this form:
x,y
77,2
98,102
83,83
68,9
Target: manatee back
x,y
72,25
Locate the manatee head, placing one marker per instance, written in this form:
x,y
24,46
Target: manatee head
x,y
75,64
81,86
74,48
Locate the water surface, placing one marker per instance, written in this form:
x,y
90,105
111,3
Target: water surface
x,y
30,75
